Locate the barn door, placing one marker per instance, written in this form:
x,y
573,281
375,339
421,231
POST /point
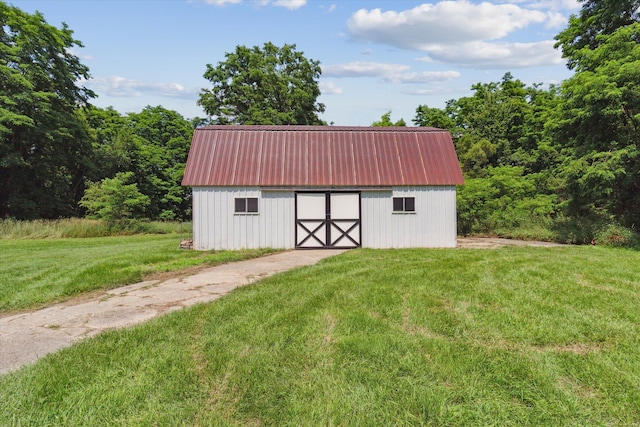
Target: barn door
x,y
327,220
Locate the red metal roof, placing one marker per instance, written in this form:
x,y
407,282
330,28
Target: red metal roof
x,y
321,156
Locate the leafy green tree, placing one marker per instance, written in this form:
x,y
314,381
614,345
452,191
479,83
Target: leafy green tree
x,y
505,199
268,85
153,144
600,120
503,136
162,139
43,142
113,199
495,113
385,120
597,18
475,153
435,117
502,124
535,148
110,149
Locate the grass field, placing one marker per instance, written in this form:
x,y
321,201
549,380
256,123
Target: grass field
x,y
83,227
513,336
36,272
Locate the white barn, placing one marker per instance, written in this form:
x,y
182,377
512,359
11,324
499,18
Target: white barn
x,y
322,187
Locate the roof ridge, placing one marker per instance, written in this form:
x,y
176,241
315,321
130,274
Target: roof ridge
x,y
315,128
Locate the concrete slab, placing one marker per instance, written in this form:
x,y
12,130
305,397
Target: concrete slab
x,y
26,337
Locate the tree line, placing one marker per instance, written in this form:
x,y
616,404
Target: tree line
x,y
62,157
560,162
564,160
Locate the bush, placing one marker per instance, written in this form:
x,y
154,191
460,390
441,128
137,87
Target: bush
x,y
575,231
506,203
114,199
617,236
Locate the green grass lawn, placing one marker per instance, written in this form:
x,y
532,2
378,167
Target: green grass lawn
x,y
513,336
36,272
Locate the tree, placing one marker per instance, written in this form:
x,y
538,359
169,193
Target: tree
x,y
600,120
597,18
153,144
112,199
43,141
268,85
506,153
385,120
504,199
110,152
162,139
434,117
502,124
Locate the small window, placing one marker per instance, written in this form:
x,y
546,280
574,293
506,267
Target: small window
x,y
252,204
409,204
246,205
398,204
404,204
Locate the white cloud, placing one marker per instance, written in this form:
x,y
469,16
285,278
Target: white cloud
x,y
463,33
330,88
444,22
570,5
423,77
424,59
289,4
567,5
363,69
80,55
431,90
556,20
498,55
391,73
117,86
223,2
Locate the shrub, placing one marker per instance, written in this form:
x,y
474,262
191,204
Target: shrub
x,y
576,231
506,203
114,199
617,236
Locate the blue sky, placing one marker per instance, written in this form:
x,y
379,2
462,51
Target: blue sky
x,y
376,56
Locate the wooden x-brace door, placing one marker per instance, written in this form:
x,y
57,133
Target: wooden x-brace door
x,y
328,220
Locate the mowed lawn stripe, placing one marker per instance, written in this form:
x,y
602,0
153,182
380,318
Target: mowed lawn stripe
x,y
514,336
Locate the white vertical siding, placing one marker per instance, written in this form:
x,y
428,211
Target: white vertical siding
x,y
277,219
216,226
432,225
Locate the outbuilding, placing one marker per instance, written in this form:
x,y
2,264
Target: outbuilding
x,y
322,187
